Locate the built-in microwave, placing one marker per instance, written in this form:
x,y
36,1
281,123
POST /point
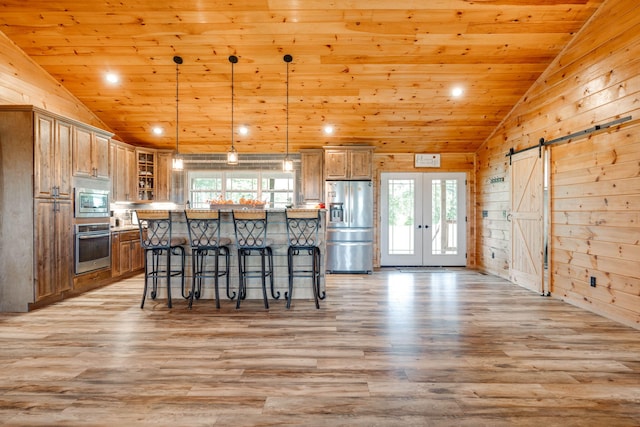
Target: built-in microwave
x,y
91,203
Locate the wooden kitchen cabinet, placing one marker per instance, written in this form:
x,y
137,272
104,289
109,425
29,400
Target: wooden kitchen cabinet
x,y
123,172
115,254
127,256
348,163
312,170
163,175
37,254
52,152
90,153
137,254
53,237
130,169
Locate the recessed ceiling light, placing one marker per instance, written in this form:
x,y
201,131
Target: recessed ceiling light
x,y
456,91
112,78
157,130
328,129
244,130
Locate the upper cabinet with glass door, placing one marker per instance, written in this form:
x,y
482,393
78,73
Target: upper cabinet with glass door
x,y
146,160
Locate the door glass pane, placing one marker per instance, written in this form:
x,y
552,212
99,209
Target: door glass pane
x,y
444,215
401,216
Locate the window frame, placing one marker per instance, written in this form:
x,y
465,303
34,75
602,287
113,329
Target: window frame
x,y
225,192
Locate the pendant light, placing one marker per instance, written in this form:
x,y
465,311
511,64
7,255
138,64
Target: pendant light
x,y
232,154
178,163
287,163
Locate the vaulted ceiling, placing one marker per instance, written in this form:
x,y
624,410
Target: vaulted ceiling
x,y
380,71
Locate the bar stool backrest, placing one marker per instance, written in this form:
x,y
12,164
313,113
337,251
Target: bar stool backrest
x,y
251,228
204,228
302,227
155,228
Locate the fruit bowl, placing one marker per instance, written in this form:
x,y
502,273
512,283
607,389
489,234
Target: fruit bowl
x,y
235,206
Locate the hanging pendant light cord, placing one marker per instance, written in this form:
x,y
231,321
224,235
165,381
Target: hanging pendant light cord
x,y
232,154
287,133
232,98
177,100
177,160
287,164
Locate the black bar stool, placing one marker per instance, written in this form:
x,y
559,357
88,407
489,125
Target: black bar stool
x,y
302,235
156,240
205,240
251,237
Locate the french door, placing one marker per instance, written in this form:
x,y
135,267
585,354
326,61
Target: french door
x,y
423,219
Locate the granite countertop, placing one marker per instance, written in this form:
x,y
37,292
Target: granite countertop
x,y
124,228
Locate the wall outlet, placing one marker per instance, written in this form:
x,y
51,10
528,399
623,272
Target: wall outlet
x,y
592,281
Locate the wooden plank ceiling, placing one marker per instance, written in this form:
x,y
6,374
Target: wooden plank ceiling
x,y
380,71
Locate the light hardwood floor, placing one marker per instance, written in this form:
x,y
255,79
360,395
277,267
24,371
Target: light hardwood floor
x,y
451,348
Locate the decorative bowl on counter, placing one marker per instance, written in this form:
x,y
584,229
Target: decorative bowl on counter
x,y
235,206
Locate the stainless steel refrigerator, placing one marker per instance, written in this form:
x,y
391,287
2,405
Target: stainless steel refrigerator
x,y
349,231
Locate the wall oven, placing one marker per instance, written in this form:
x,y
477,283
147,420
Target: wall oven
x,y
93,247
91,203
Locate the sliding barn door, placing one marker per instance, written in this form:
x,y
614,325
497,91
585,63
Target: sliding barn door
x,y
527,227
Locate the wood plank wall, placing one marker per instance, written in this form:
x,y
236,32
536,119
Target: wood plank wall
x,y
23,82
595,181
404,162
596,223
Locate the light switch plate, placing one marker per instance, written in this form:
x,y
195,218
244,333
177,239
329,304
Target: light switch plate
x,y
427,160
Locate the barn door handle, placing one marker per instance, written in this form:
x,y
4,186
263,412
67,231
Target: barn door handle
x,y
509,217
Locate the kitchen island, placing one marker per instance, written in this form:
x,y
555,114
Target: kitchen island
x,y
277,234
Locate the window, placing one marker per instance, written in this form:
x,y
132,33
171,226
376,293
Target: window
x,y
204,186
241,185
277,189
274,188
